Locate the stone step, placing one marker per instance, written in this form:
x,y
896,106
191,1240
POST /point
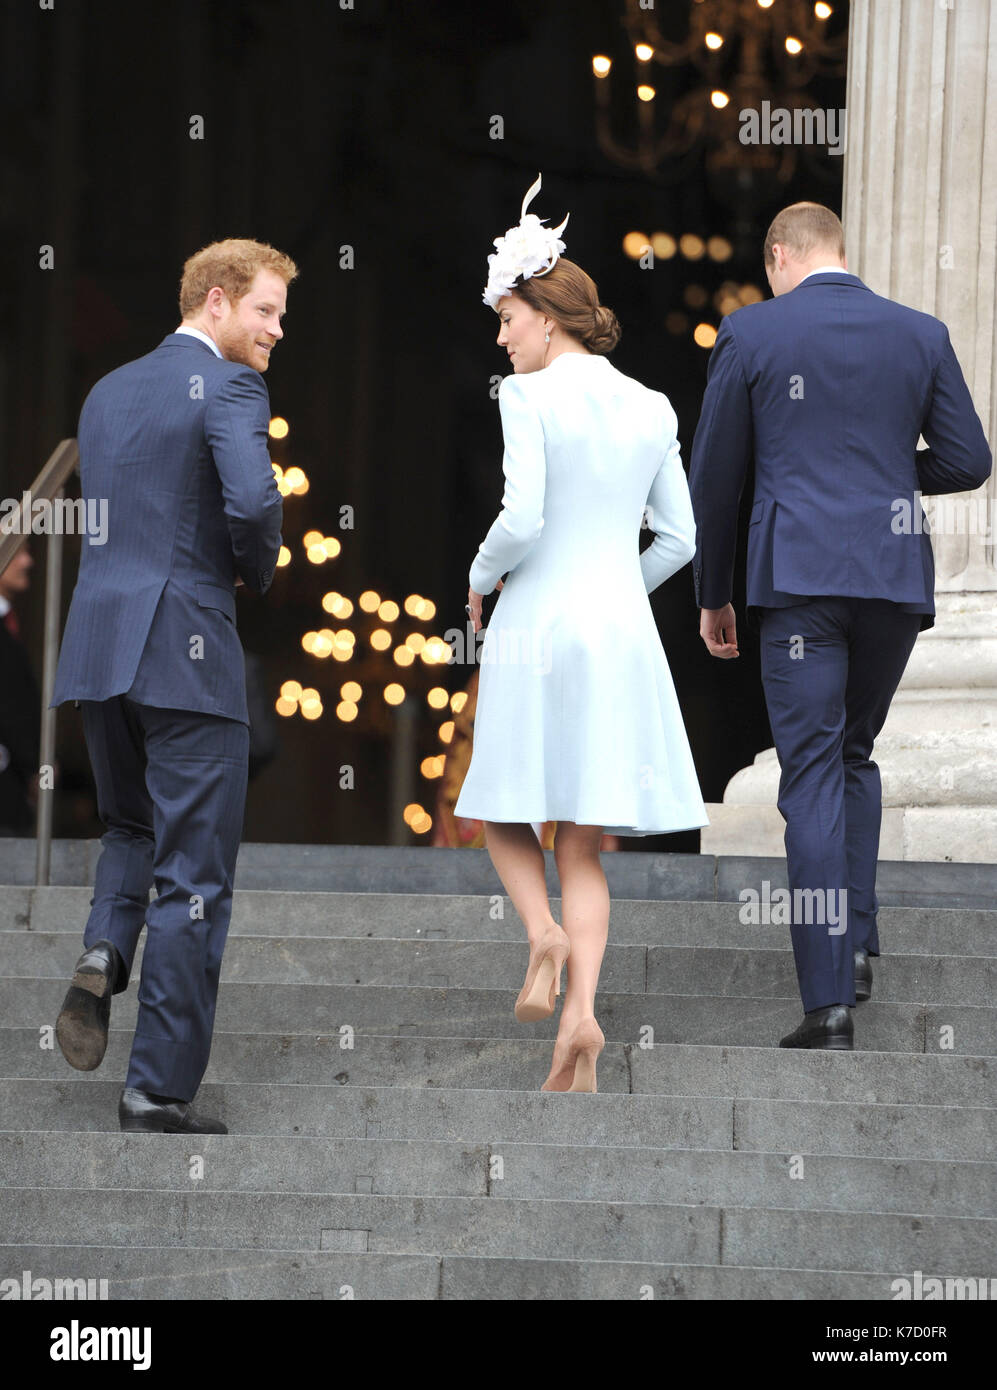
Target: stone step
x,y
718,1019
695,1071
750,1124
370,1169
469,917
170,1272
807,1181
735,972
425,869
500,1226
449,1114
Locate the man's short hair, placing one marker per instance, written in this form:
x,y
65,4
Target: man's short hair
x,y
802,228
232,264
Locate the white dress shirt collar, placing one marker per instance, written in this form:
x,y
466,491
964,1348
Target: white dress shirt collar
x,y
196,333
827,270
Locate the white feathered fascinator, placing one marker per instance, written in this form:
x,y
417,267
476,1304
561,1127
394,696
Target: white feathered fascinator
x,y
527,250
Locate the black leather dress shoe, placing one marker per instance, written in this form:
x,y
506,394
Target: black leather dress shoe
x,y
863,975
81,1028
140,1113
829,1028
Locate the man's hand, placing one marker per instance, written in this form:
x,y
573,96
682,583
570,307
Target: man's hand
x,y
718,629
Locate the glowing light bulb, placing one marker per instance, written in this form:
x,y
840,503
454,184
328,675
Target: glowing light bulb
x,y
634,245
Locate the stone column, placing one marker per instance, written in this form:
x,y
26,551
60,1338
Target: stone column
x,y
920,218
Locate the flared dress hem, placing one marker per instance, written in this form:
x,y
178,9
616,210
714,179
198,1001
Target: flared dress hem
x,y
540,817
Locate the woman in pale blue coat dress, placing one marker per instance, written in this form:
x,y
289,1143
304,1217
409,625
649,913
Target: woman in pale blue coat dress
x,y
577,719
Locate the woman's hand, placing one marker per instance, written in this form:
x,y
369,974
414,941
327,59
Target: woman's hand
x,y
474,602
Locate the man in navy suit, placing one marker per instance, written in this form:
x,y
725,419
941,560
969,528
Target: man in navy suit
x,y
827,388
177,444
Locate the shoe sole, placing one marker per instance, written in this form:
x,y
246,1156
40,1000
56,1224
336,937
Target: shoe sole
x,y
80,1031
138,1127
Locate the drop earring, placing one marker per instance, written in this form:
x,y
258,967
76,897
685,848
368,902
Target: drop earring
x,y
547,336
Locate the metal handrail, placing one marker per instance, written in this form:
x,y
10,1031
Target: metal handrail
x,y
49,486
62,461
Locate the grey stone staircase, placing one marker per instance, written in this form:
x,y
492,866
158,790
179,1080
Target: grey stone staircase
x,y
389,1138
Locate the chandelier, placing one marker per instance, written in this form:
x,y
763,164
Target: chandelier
x,y
743,56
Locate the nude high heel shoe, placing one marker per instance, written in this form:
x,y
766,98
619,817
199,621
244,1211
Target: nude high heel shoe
x,y
543,976
587,1041
580,1056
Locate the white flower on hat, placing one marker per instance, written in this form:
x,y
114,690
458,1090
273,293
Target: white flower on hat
x,y
527,250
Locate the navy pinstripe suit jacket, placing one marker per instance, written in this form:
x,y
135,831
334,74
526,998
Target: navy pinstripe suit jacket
x,y
176,443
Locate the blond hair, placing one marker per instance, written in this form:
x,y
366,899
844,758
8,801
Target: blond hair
x,y
802,228
233,265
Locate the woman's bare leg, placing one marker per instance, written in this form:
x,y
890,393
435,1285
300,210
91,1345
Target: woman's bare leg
x,y
519,862
584,916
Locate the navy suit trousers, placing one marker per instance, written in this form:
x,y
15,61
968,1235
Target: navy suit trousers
x,y
830,667
171,789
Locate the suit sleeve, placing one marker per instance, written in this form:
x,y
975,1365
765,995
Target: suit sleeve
x,y
721,452
668,514
958,458
517,527
237,427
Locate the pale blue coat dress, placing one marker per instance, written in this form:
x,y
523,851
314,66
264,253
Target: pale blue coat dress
x,y
577,717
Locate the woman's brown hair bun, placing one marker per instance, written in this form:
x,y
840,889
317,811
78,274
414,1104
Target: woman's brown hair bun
x,y
570,297
605,331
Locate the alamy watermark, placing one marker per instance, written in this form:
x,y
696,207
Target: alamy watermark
x,y
930,1287
823,907
951,515
780,126
76,1343
503,646
57,516
36,1287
